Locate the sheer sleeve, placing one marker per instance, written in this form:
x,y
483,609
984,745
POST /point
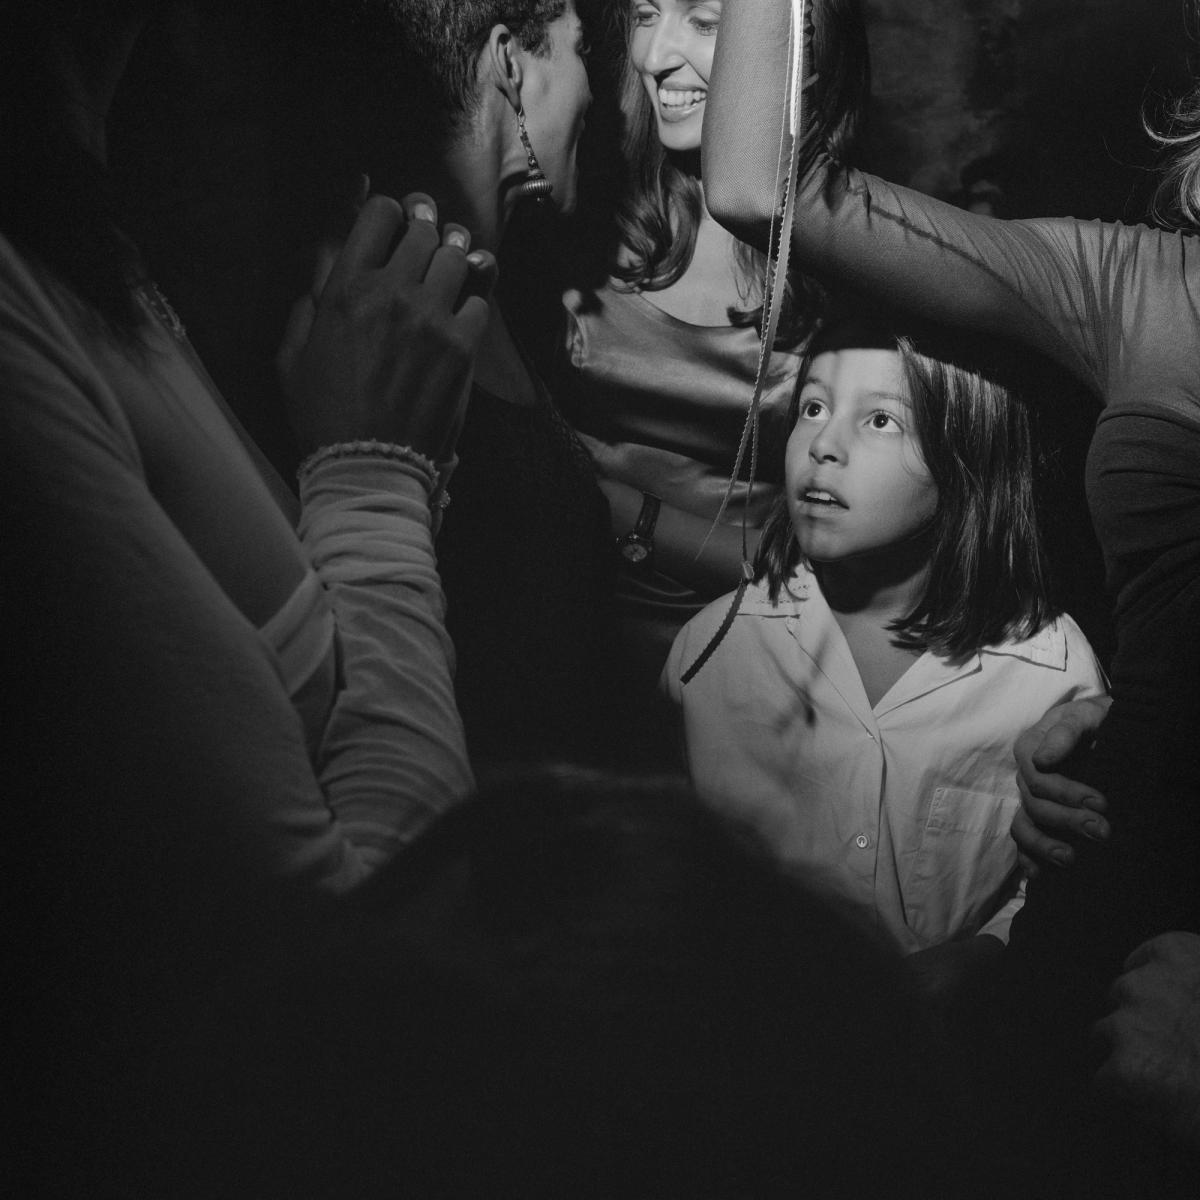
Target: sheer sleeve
x,y
393,754
1058,285
153,712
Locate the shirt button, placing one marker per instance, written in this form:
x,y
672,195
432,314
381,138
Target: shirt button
x,y
862,841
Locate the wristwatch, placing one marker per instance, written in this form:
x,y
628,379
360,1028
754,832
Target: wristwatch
x,y
637,546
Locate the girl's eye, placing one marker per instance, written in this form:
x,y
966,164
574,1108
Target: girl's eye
x,y
644,15
883,420
811,410
705,26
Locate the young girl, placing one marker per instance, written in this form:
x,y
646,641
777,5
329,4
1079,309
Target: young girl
x,y
861,710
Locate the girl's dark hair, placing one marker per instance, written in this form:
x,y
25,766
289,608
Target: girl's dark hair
x,y
662,205
987,576
56,199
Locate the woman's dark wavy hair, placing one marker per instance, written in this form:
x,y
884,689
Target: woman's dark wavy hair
x,y
56,199
661,209
987,576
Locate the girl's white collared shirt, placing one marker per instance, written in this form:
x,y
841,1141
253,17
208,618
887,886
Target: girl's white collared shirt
x,y
903,809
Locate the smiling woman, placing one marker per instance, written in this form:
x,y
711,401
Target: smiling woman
x,y
663,355
671,47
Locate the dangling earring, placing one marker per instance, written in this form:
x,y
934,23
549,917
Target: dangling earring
x,y
535,183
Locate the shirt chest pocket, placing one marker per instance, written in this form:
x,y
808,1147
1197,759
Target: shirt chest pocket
x,y
963,864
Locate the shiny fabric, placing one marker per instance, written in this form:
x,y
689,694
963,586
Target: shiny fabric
x,y
660,404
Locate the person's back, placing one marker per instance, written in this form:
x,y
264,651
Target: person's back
x,y
221,718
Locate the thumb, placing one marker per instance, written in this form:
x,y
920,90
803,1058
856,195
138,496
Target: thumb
x,y
295,338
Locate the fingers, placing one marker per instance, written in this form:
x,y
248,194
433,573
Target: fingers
x,y
295,335
1059,805
1067,726
323,263
380,221
1036,847
1029,868
448,267
1058,744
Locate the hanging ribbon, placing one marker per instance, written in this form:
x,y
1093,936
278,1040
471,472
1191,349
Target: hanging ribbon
x,y
779,244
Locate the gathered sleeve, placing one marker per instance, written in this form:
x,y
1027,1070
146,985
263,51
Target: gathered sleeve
x,y
1061,286
155,718
393,755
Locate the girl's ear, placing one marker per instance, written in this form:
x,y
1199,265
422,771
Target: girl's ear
x,y
500,64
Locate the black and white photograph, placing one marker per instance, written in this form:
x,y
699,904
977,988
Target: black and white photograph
x,y
602,599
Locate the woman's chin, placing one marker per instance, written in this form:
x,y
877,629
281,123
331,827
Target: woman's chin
x,y
681,137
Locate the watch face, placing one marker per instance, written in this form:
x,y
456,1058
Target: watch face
x,y
635,552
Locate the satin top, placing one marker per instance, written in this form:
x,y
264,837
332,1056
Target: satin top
x,y
661,403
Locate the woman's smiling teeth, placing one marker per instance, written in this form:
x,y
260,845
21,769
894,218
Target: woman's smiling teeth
x,y
680,98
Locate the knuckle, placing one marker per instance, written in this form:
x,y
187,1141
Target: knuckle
x,y
381,208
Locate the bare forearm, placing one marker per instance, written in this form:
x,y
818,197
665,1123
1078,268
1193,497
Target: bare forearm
x,y
687,547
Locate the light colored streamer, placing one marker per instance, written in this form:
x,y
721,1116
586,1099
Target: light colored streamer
x,y
779,245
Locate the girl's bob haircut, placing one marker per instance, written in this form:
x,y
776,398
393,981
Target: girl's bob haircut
x,y
987,578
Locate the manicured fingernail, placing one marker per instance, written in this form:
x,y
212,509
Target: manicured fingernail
x,y
456,237
476,259
1063,858
1095,803
423,212
1096,829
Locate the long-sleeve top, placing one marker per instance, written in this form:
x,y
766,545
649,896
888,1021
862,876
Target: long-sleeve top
x,y
900,809
1116,305
269,702
214,722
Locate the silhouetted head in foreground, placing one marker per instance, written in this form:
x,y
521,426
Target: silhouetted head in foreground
x,y
576,986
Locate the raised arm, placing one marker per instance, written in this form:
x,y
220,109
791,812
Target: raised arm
x,y
1046,283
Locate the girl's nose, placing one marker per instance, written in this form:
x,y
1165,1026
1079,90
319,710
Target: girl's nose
x,y
828,444
663,52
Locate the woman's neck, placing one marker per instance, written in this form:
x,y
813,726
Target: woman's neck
x,y
711,284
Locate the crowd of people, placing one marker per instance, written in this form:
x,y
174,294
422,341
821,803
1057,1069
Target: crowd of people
x,y
561,787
